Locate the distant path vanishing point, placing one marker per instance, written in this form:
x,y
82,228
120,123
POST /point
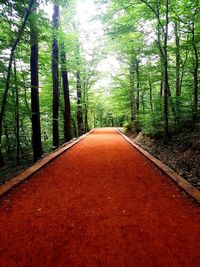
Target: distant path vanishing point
x,y
101,203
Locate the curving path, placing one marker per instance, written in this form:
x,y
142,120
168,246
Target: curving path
x,y
101,203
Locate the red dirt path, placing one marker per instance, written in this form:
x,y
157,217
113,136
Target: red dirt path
x,y
99,204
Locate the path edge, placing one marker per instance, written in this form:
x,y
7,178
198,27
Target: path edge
x,y
179,180
14,182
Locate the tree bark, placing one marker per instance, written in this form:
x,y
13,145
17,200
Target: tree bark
x,y
138,85
17,114
150,95
195,76
166,85
86,118
55,76
85,102
163,66
94,118
79,105
35,106
132,93
7,83
183,64
178,61
74,127
161,53
67,109
8,145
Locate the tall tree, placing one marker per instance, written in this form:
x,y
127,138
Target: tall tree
x,y
195,72
138,84
17,112
55,76
132,93
166,83
79,112
35,106
178,65
164,88
67,110
79,104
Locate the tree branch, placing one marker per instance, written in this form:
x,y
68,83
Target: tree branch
x,y
155,13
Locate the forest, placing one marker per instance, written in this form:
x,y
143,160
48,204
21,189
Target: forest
x,y
67,66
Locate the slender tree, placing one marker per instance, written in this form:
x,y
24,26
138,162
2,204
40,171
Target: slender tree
x,y
17,112
166,83
195,74
150,94
35,106
138,84
178,65
164,87
79,113
55,76
132,93
85,97
79,104
67,110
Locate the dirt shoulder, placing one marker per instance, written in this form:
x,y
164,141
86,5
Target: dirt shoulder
x,y
182,153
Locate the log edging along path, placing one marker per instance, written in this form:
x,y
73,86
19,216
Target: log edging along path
x,y
179,180
7,186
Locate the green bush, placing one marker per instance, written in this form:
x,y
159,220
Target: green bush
x,y
135,126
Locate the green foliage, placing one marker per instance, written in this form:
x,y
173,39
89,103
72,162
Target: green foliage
x,y
134,33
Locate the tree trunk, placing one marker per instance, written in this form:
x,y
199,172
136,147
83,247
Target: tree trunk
x,y
138,85
86,118
35,106
132,93
55,77
85,103
195,76
17,114
161,53
183,64
67,109
143,103
7,138
79,105
166,85
150,95
74,127
101,118
7,83
164,68
94,119
178,60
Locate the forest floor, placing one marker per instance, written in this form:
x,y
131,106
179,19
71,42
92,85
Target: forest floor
x,y
12,169
101,203
181,153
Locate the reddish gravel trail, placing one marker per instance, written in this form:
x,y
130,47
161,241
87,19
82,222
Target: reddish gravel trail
x,y
99,204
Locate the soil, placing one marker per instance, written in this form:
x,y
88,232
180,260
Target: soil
x,y
181,153
101,203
